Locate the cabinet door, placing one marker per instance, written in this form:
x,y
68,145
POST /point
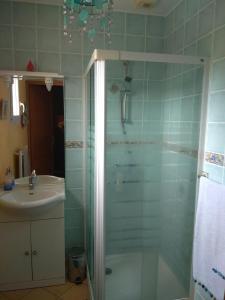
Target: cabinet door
x,y
15,254
48,253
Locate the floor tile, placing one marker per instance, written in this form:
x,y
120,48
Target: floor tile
x,y
40,294
78,292
2,297
59,290
16,295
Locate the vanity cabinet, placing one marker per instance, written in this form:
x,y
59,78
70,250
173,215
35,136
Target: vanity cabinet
x,y
15,259
47,245
32,253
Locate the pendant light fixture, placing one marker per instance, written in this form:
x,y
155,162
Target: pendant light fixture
x,y
90,16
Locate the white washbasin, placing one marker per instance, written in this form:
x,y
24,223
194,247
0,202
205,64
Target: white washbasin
x,y
41,179
48,191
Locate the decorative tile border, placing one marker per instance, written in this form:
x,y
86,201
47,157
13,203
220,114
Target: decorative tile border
x,y
74,144
214,158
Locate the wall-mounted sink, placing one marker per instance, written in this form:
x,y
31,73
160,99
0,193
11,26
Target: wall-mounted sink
x,y
48,191
41,179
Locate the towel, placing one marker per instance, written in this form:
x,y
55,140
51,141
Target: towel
x,y
209,238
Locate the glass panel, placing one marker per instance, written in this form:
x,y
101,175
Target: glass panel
x,y
153,116
90,164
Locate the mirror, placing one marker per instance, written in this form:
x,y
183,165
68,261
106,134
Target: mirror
x,y
31,125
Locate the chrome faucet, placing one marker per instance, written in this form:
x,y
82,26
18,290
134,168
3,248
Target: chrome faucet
x,y
32,180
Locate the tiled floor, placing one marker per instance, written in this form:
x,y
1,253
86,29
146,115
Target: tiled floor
x,y
67,291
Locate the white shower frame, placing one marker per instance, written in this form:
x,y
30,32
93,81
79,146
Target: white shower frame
x,y
98,59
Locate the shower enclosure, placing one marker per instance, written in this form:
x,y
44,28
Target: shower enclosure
x,y
144,146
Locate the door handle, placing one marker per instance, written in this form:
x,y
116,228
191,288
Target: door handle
x,y
34,253
26,253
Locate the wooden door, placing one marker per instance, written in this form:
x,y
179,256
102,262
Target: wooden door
x,y
15,253
48,259
41,131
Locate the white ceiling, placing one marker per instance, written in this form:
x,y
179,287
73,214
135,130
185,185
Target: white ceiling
x,y
162,7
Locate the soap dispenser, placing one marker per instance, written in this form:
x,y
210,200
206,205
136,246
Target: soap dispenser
x,y
9,180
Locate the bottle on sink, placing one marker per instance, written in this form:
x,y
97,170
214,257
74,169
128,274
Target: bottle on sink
x,y
9,181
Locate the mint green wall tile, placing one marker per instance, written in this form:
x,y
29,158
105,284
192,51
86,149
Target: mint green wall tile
x,y
72,64
155,71
190,50
23,13
191,30
155,90
136,70
74,109
218,75
115,69
48,40
175,110
5,12
74,158
74,198
199,80
215,138
154,45
191,7
6,59
219,43
152,110
24,38
187,109
205,46
73,130
188,83
135,24
197,108
22,58
73,88
169,23
155,26
179,38
220,13
206,20
76,237
216,107
98,43
118,23
135,43
113,109
136,110
48,15
204,2
215,173
139,90
5,37
179,14
75,46
48,62
117,42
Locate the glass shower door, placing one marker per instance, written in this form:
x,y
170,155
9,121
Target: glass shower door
x,y
90,166
152,139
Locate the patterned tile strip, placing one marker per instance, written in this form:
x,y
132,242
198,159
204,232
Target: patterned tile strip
x,y
74,144
214,158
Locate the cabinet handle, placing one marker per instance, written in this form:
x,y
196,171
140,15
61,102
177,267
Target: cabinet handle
x,y
35,252
26,253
